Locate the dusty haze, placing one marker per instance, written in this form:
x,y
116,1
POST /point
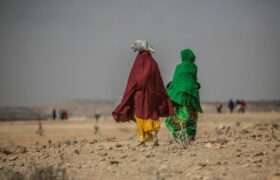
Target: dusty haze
x,y
64,49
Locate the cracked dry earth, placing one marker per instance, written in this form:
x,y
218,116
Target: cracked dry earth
x,y
228,146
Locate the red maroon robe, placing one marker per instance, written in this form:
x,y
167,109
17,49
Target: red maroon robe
x,y
145,95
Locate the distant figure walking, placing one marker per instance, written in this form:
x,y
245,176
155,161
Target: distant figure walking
x,y
145,99
231,105
219,108
241,104
184,93
54,114
63,115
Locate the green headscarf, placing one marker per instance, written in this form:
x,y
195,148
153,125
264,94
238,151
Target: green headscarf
x,y
184,88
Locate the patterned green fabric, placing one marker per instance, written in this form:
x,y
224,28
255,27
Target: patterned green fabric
x,y
184,93
182,121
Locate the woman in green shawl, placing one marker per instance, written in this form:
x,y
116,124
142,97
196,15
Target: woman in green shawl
x,y
183,90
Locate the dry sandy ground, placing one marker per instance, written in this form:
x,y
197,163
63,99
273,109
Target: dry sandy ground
x,y
228,146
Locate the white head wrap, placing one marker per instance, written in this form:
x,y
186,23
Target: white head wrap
x,y
139,45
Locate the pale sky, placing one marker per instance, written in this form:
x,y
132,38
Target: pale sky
x,y
52,50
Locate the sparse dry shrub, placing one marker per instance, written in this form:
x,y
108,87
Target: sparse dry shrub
x,y
40,130
48,173
9,174
35,173
96,126
97,116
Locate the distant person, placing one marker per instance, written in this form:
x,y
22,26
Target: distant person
x,y
231,105
219,108
61,114
145,99
184,93
241,106
65,115
54,114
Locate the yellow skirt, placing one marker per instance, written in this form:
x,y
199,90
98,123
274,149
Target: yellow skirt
x,y
145,127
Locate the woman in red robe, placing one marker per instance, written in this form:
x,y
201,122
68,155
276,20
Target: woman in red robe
x,y
145,99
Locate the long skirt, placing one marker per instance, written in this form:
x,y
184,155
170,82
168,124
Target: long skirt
x,y
184,120
146,127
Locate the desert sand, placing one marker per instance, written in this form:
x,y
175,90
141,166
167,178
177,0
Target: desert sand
x,y
228,146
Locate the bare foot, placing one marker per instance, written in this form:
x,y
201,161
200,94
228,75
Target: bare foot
x,y
141,143
156,143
